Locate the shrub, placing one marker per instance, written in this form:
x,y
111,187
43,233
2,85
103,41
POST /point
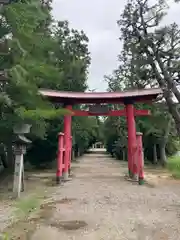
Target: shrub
x,y
173,166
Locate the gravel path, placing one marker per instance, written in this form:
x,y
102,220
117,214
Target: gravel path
x,y
104,206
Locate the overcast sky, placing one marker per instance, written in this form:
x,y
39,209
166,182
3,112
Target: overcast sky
x,y
98,20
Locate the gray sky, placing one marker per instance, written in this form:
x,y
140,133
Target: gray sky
x,y
98,20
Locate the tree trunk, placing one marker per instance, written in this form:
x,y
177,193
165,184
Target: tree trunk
x,y
155,160
168,97
163,84
162,149
124,154
166,80
10,155
3,160
170,82
174,112
166,76
73,155
163,142
3,157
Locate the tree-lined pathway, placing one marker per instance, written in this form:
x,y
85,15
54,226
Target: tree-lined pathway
x,y
106,206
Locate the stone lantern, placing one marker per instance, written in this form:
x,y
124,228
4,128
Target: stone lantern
x,y
20,143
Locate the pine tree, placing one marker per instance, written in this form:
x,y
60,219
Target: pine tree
x,y
151,50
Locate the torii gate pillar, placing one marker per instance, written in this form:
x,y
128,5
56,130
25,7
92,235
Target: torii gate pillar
x,y
132,145
67,142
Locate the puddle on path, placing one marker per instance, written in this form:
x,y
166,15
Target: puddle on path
x,y
69,225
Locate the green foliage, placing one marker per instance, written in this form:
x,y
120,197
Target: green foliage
x,y
25,65
38,114
153,128
113,128
86,131
173,166
149,58
37,52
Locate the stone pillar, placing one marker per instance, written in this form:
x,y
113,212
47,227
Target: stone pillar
x,y
140,158
18,183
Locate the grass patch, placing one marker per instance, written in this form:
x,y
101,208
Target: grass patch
x,y
26,210
23,209
27,205
173,165
4,236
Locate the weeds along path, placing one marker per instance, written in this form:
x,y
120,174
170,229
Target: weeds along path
x,y
100,204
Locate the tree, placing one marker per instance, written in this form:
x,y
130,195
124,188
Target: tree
x,y
25,53
153,50
136,71
159,132
70,56
37,52
116,139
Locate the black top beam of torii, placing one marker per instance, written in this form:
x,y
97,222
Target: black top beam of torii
x,y
143,95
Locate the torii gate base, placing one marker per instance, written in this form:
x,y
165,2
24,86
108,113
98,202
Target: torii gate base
x,y
135,149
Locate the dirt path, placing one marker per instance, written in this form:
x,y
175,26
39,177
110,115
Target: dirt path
x,y
100,205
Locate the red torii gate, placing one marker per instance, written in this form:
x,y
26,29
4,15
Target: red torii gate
x,y
128,98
